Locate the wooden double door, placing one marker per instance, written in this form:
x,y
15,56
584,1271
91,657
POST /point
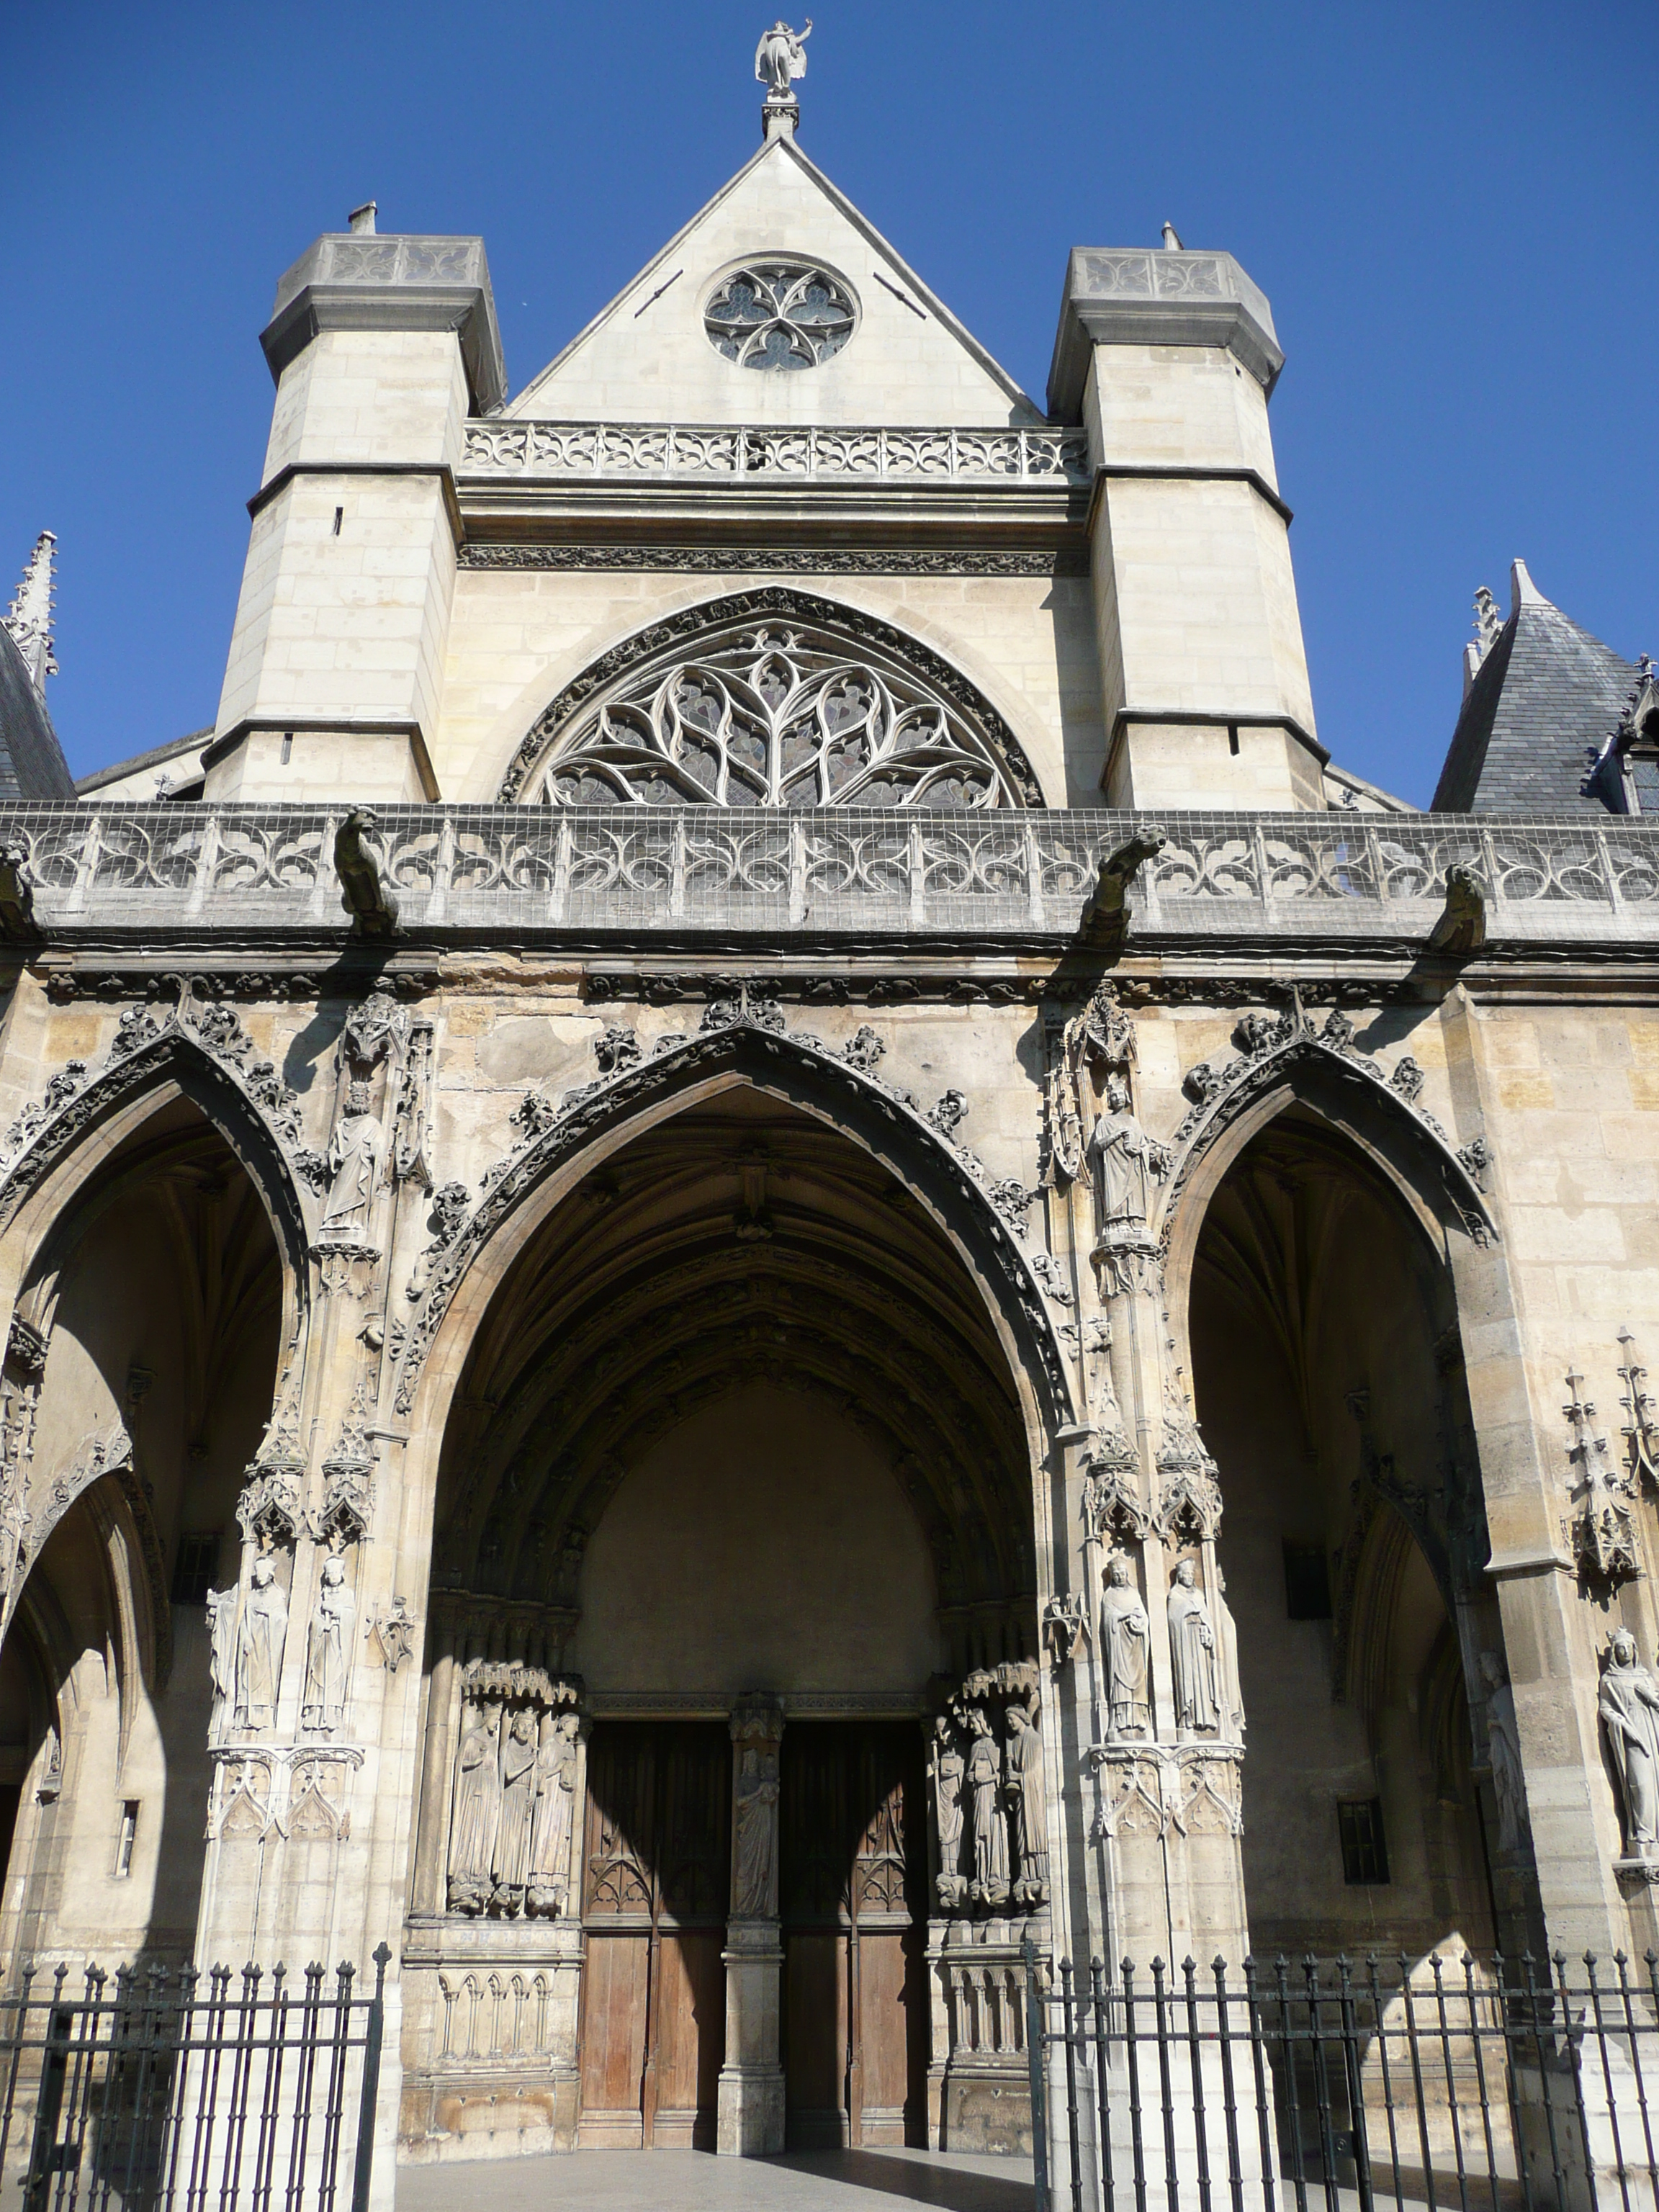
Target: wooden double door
x,y
655,1890
656,1876
853,1884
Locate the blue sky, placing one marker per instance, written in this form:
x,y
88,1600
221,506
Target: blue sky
x,y
1451,207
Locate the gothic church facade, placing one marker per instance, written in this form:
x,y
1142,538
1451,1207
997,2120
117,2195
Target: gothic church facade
x,y
759,1243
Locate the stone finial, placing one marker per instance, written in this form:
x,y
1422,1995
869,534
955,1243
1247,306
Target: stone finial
x,y
29,616
1172,239
1488,629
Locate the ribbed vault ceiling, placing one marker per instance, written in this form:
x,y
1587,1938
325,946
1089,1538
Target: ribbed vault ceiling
x,y
741,1241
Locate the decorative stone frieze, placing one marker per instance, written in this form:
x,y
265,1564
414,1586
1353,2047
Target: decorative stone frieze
x,y
1155,1790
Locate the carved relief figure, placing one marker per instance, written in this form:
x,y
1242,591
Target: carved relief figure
x,y
222,1657
755,1889
260,1647
1508,1786
1629,1706
329,1650
354,1162
1192,1654
949,1768
990,1884
550,1827
477,1810
1030,1804
1124,1632
518,1798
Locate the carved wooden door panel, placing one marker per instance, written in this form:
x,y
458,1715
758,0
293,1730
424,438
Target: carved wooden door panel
x,y
855,1928
656,1874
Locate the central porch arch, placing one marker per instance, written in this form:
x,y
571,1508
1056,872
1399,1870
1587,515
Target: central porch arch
x,y
739,1418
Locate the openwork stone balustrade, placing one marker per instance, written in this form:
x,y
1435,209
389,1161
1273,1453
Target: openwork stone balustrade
x,y
515,870
609,449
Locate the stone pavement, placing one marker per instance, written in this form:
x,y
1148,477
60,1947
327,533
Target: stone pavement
x,y
692,2181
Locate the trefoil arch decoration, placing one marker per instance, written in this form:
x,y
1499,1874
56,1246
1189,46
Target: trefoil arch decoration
x,y
772,698
1272,1046
746,1031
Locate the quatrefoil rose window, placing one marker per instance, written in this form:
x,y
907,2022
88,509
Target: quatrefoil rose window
x,y
780,315
783,714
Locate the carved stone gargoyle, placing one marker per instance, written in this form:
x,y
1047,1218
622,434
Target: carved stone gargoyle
x,y
1462,924
1105,923
371,904
17,923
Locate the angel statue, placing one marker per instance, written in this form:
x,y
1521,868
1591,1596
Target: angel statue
x,y
781,58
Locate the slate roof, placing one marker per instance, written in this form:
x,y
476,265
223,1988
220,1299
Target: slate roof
x,y
32,769
1543,701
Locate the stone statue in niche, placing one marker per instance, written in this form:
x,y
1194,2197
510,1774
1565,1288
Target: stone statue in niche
x,y
1029,1799
1124,1161
755,1854
354,1163
329,1646
477,1810
513,1811
1508,1786
1125,1631
948,1769
222,1658
990,1882
49,1784
260,1647
553,1820
517,1802
1192,1654
1629,1706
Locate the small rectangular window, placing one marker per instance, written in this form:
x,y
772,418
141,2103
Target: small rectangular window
x,y
1364,1854
1307,1583
339,517
1232,739
194,1567
288,747
127,1839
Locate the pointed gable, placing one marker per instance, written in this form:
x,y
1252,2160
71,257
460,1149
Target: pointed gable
x,y
649,358
1545,696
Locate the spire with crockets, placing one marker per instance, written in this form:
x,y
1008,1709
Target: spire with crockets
x,y
30,616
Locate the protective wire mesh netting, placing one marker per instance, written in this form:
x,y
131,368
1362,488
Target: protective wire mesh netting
x,y
1008,871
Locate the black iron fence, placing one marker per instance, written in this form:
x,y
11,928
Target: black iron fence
x,y
1494,2085
176,2090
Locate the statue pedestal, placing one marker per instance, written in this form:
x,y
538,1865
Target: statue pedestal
x,y
780,119
749,2104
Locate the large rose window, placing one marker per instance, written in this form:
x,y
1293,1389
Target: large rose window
x,y
777,714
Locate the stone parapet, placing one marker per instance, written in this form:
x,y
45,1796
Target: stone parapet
x,y
353,281
1014,879
1126,297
